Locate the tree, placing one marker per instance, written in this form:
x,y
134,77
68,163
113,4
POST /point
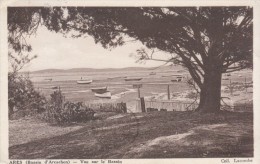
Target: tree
x,y
208,41
21,92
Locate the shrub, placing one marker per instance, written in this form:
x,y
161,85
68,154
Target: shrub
x,y
61,112
22,96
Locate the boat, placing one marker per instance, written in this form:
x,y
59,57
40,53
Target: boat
x,y
50,87
228,74
167,75
177,79
84,81
133,79
117,77
99,90
50,79
54,87
176,75
174,80
104,95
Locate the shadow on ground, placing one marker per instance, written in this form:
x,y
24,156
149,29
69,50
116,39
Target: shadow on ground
x,y
149,135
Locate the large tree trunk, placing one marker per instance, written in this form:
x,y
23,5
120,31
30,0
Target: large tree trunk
x,y
210,94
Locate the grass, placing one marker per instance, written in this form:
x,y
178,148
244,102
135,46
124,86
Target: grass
x,y
141,135
30,129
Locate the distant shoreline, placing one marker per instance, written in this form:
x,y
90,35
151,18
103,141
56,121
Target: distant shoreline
x,y
104,69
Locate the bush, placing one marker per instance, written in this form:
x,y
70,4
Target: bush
x,y
61,112
22,96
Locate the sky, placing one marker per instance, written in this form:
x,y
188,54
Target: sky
x,y
54,51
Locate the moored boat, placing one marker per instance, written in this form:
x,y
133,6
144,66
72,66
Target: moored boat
x,y
84,81
117,77
167,75
104,95
50,87
177,79
175,75
50,79
133,79
174,80
99,90
228,74
54,87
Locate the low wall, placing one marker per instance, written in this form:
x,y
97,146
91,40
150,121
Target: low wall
x,y
163,105
135,106
171,105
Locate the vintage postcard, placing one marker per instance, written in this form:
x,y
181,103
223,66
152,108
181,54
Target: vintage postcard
x,y
129,82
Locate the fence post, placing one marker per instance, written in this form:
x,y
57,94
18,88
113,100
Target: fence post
x,y
124,109
142,104
139,94
245,85
168,91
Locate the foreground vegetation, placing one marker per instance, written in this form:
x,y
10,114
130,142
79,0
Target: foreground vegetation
x,y
142,135
24,100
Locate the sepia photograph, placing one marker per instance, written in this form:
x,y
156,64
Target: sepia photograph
x,y
130,82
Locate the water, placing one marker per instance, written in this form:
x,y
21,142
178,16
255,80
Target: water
x,y
121,90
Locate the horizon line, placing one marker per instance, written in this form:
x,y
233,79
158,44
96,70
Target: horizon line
x,y
66,69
